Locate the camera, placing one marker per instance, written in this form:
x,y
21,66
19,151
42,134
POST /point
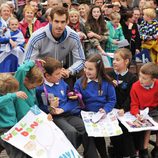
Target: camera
x,y
65,5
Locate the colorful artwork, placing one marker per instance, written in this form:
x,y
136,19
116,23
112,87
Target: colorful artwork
x,y
40,138
135,125
104,127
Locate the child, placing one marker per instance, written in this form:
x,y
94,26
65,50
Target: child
x,y
149,33
66,116
115,34
75,24
29,77
8,94
144,93
96,32
97,92
12,47
123,80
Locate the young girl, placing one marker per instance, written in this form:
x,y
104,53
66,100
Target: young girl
x,y
66,115
123,80
96,31
115,34
29,77
97,92
8,94
12,47
149,33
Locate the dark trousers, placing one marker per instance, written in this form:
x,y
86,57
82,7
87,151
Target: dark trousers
x,y
73,128
12,152
123,144
101,146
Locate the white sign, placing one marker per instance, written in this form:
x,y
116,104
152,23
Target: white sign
x,y
96,126
40,138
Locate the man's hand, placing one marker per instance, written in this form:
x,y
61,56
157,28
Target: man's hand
x,y
65,73
21,95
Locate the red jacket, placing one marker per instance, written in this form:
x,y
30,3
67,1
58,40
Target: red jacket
x,y
142,98
23,25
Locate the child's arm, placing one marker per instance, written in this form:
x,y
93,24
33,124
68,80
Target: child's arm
x,y
111,99
6,99
134,106
22,70
21,95
13,43
4,40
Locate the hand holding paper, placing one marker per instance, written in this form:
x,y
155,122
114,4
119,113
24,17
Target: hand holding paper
x,y
123,43
97,116
144,113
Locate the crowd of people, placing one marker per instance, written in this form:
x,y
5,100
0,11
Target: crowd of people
x,y
62,48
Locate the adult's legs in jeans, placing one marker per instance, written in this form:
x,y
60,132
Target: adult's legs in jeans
x,y
12,151
101,146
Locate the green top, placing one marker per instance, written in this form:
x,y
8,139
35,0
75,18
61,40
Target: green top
x,y
7,110
23,106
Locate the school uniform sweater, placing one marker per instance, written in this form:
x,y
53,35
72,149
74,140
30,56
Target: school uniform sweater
x,y
59,90
95,99
123,88
142,97
23,106
7,110
42,43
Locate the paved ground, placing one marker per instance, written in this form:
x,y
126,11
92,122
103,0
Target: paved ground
x,y
80,150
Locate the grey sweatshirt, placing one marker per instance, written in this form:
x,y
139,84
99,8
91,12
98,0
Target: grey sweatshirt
x,y
42,44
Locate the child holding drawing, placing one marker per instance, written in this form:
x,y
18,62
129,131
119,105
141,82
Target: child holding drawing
x,y
8,94
144,93
66,113
123,80
97,92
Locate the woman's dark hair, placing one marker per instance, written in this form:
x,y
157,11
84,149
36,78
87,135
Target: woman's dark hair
x,y
93,23
128,14
101,72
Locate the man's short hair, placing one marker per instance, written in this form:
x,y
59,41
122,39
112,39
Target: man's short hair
x,y
59,11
